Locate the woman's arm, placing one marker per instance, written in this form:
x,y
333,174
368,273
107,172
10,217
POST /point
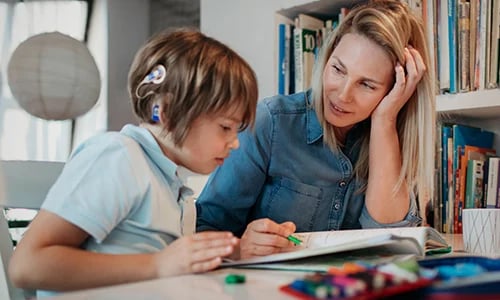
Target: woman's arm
x,y
385,204
233,188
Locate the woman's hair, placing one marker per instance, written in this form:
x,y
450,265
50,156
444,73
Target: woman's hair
x,y
392,26
201,76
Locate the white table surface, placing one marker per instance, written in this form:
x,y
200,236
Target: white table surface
x,y
260,284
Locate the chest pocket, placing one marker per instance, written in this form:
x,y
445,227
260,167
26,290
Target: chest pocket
x,y
287,200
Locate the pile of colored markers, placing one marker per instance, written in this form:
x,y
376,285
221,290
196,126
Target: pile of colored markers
x,y
355,280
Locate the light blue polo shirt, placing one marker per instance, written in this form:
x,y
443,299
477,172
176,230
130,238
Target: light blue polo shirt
x,y
125,193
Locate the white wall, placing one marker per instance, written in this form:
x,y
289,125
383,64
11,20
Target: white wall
x,y
249,28
117,30
128,29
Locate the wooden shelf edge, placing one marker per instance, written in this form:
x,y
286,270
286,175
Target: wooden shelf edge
x,y
477,104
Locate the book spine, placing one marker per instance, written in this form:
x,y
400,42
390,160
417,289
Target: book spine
x,y
463,45
474,184
492,182
495,39
291,60
446,134
443,47
452,37
299,64
282,63
473,26
450,196
308,56
497,204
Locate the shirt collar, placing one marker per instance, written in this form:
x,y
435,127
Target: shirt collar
x,y
149,144
314,129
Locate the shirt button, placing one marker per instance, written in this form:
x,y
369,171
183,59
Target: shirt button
x,y
342,183
337,206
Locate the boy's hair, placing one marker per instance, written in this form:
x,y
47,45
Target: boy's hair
x,y
203,76
391,25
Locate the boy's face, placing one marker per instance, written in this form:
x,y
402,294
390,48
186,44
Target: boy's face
x,y
209,141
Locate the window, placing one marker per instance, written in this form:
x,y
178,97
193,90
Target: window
x,y
22,136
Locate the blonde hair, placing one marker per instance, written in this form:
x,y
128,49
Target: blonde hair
x,y
392,26
202,76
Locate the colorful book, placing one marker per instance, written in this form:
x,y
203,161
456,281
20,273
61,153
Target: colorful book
x,y
470,153
305,35
465,135
474,184
446,134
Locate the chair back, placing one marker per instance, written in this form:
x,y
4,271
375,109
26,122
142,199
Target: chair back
x,y
23,184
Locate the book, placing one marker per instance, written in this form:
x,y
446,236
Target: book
x,y
284,36
470,153
474,188
495,39
391,241
452,38
283,57
443,47
446,139
464,135
304,36
491,193
463,46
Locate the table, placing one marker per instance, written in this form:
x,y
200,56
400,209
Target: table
x,y
260,284
456,241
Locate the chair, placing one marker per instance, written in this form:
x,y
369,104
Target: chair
x,y
23,184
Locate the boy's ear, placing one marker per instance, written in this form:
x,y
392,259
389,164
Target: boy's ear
x,y
161,112
162,106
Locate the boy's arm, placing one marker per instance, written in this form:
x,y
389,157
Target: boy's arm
x,y
52,259
46,259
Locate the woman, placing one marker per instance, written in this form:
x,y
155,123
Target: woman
x,y
355,151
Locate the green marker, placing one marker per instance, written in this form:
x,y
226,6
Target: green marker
x,y
294,240
235,279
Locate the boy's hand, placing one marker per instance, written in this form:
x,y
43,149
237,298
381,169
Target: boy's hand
x,y
196,253
264,237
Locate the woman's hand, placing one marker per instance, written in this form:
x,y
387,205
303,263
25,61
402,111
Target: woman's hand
x,y
404,86
196,253
264,237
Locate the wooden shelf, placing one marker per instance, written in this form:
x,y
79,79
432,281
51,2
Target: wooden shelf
x,y
320,9
478,104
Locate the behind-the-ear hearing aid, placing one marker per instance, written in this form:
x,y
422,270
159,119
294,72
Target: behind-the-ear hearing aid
x,y
155,113
156,76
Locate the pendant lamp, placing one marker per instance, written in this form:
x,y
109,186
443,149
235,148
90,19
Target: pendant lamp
x,y
54,77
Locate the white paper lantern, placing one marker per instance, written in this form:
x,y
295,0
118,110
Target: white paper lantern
x,y
53,76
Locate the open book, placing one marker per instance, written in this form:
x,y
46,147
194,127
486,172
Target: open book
x,y
389,241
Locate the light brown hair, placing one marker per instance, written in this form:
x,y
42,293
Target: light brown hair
x,y
392,26
203,76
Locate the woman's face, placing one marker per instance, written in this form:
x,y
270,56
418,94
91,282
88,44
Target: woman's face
x,y
356,77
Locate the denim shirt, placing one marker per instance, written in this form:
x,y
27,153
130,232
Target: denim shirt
x,y
285,172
